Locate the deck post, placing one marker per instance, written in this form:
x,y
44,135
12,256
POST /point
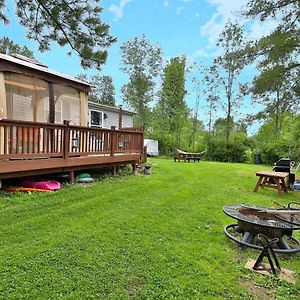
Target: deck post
x,y
142,143
112,141
114,170
71,177
134,168
120,117
66,139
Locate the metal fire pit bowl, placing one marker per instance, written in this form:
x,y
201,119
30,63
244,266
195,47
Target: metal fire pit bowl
x,y
255,220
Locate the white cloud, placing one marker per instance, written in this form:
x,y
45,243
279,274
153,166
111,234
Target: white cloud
x,y
118,10
166,3
206,53
257,30
225,10
179,10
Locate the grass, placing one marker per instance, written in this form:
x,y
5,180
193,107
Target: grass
x,y
137,237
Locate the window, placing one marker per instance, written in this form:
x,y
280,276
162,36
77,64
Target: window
x,y
67,104
25,97
96,118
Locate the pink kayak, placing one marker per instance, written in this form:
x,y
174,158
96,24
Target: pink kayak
x,y
45,185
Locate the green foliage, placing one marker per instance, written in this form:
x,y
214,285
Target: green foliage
x,y
166,143
75,24
287,145
278,52
137,94
225,71
103,90
232,152
237,150
271,152
276,86
137,237
276,94
250,156
139,56
7,46
171,109
142,61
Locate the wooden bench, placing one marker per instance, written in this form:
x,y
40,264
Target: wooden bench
x,y
271,179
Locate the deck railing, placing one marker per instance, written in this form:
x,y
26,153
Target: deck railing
x,y
28,140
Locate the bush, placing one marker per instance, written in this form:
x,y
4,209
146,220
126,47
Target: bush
x,y
271,152
233,152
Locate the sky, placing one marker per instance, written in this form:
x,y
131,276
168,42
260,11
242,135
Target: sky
x,y
180,27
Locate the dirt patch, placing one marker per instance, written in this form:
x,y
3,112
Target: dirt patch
x,y
259,292
134,284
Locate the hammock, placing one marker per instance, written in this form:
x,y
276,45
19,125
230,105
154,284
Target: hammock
x,y
189,153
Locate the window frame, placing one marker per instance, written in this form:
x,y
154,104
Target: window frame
x,y
90,118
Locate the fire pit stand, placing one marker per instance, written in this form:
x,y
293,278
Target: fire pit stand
x,y
269,253
255,220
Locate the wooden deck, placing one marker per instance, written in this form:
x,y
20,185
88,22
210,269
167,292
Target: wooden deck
x,y
31,148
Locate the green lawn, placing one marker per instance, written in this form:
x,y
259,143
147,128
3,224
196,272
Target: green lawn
x,y
138,237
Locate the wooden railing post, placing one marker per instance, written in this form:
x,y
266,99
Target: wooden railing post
x,y
120,118
66,139
142,142
112,141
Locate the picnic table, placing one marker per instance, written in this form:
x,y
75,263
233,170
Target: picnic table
x,y
187,156
271,179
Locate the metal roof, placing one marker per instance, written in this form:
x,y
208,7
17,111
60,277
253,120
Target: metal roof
x,y
92,104
35,65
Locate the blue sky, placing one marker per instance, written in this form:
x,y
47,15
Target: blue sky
x,y
188,27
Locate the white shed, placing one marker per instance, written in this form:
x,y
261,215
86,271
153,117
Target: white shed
x,y
152,147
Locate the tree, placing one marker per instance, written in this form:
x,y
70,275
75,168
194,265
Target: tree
x,y
137,94
211,87
277,101
66,22
277,86
142,62
278,52
7,46
198,92
227,68
172,108
103,90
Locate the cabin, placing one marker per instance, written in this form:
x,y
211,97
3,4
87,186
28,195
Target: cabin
x,y
104,116
45,125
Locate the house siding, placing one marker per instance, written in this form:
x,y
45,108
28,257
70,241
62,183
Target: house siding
x,y
112,119
112,116
127,121
2,110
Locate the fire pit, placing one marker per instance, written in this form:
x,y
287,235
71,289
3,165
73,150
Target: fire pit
x,y
255,220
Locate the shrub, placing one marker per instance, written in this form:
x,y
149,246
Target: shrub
x,y
271,152
233,152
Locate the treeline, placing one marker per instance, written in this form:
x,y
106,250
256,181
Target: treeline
x,y
158,93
